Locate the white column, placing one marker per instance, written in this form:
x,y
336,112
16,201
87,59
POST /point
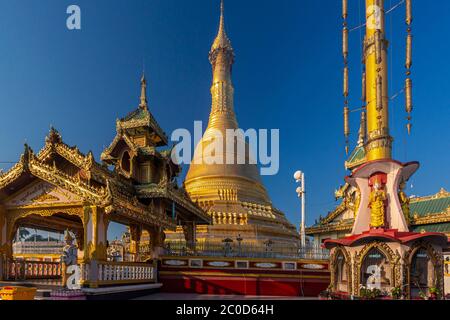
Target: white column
x,y
302,228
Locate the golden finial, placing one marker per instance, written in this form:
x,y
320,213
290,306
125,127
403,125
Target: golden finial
x,y
143,103
222,41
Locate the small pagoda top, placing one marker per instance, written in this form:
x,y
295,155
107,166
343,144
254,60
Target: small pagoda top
x,y
141,122
139,130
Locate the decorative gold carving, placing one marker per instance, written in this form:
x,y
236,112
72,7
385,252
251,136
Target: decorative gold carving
x,y
44,197
404,202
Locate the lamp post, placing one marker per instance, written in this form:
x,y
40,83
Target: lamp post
x,y
299,177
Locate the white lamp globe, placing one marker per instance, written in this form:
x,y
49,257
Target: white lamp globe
x,y
298,190
298,175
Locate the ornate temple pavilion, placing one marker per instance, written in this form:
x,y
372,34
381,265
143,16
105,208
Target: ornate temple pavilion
x,y
232,194
60,188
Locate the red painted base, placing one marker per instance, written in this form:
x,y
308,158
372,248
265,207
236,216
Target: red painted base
x,y
243,286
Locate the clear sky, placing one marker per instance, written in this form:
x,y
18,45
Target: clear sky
x,y
287,75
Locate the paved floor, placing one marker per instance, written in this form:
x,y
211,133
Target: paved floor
x,y
180,296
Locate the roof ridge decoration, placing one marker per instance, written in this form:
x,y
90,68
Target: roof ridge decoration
x,y
440,195
55,144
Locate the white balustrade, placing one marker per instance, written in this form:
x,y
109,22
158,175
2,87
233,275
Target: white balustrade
x,y
120,272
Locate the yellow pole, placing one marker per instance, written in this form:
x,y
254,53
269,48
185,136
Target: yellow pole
x,y
379,142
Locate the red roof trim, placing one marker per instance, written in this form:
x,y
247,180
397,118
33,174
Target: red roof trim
x,y
386,235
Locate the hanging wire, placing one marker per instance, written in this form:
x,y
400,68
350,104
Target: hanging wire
x,y
387,12
391,63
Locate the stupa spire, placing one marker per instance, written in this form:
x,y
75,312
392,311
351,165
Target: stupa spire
x,y
221,41
143,98
221,56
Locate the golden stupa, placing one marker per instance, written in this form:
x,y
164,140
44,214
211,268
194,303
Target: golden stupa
x,y
232,194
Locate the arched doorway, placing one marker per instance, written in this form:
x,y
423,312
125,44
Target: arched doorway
x,y
341,273
376,271
35,255
422,274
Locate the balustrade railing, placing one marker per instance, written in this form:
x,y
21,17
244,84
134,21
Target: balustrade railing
x,y
227,249
24,270
120,272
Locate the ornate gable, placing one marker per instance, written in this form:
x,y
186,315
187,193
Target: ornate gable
x,y
42,193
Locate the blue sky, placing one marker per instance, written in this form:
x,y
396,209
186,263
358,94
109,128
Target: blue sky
x,y
287,75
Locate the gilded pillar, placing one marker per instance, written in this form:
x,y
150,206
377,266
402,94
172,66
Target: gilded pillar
x,y
135,241
3,230
95,239
157,238
95,233
3,241
379,141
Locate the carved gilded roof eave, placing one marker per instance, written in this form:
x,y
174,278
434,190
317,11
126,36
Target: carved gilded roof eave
x,y
59,178
11,175
106,154
133,209
74,156
55,144
30,163
354,165
432,218
340,193
161,192
136,211
149,121
344,227
335,213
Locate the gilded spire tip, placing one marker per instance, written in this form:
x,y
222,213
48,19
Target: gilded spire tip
x,y
143,98
222,41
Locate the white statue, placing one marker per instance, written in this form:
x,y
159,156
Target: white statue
x,y
69,257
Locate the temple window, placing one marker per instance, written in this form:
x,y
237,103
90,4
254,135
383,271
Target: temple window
x,y
376,271
421,274
126,162
341,279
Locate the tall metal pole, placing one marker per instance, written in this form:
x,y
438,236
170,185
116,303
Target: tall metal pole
x,y
302,228
299,177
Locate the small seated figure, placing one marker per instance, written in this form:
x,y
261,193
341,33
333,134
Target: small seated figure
x,y
69,256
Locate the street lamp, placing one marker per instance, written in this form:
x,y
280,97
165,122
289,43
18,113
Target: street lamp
x,y
300,178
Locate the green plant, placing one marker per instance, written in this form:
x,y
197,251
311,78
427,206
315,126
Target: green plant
x,y
434,290
396,293
422,295
369,294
